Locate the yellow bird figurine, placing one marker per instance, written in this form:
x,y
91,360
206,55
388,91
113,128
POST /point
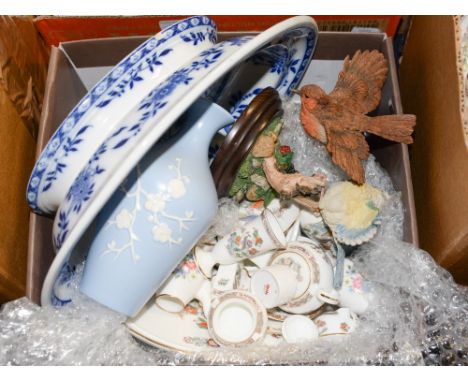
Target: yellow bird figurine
x,y
352,211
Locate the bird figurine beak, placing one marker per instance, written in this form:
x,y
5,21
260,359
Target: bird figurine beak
x,y
296,91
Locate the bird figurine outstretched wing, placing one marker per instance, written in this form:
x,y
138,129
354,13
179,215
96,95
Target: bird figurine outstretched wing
x,y
339,119
359,85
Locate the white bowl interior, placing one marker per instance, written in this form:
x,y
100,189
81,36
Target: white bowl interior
x,y
234,320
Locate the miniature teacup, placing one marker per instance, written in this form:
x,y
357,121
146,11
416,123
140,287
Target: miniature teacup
x,y
313,226
285,211
176,296
244,277
248,209
225,278
259,236
341,321
185,284
309,257
354,293
300,264
274,285
297,329
287,214
237,319
262,261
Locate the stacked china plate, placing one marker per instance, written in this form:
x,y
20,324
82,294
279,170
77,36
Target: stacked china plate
x,y
127,175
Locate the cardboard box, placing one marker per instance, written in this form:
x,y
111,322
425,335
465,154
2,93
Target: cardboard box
x,y
57,29
22,78
431,89
93,57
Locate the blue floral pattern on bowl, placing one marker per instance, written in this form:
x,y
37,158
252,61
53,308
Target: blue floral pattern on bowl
x,y
157,100
286,70
70,136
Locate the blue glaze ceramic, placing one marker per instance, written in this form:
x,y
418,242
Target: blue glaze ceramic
x,y
157,215
104,106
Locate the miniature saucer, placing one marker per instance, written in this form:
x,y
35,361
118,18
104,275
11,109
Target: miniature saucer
x,y
276,314
186,331
126,146
103,107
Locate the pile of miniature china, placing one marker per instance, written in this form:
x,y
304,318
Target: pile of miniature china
x,y
416,314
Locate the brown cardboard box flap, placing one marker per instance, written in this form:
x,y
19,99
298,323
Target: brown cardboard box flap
x,y
461,80
23,67
16,159
431,90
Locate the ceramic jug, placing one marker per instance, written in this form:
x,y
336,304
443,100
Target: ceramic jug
x,y
157,215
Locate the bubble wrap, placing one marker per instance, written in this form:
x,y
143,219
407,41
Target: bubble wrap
x,y
417,314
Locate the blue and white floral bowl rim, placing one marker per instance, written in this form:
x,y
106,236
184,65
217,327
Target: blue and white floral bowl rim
x,y
146,140
43,176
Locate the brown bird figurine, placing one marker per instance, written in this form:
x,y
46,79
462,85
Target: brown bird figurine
x,y
339,119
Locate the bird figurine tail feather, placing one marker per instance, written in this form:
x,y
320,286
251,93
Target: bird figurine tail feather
x,y
339,119
396,128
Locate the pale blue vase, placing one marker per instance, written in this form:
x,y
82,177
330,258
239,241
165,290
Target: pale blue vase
x,y
157,215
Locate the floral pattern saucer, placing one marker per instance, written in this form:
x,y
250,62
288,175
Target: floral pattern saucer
x,y
185,332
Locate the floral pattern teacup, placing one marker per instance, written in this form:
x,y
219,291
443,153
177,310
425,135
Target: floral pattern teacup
x,y
341,321
257,237
355,292
274,285
225,278
185,284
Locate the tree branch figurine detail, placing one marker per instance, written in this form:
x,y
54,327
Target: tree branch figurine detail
x,y
339,119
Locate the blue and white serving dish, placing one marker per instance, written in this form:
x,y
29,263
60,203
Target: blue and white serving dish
x,y
266,68
279,66
104,106
128,143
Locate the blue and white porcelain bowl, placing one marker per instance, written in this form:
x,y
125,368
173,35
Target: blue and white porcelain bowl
x,y
266,68
279,66
98,113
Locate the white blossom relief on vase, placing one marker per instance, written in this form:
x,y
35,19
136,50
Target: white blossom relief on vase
x,y
154,204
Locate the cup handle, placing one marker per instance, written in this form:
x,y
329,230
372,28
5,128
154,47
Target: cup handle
x,y
356,302
204,295
293,232
205,262
331,297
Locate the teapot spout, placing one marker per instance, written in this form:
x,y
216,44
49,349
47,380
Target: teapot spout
x,y
206,118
